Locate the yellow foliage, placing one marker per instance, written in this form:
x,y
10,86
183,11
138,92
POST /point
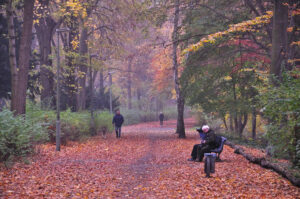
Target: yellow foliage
x,y
173,94
247,69
227,78
245,26
36,21
260,125
291,61
296,43
75,8
75,44
296,12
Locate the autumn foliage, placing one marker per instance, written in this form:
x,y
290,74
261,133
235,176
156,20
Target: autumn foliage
x,y
253,25
147,162
162,69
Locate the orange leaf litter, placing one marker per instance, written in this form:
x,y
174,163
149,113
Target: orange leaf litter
x,y
147,162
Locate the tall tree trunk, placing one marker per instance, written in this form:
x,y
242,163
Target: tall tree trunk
x,y
69,84
279,37
225,124
180,117
129,97
101,79
45,30
235,114
24,57
101,89
138,93
230,122
242,121
83,50
179,96
95,74
253,123
12,56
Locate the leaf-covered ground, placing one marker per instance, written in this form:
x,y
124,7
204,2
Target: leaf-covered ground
x,y
147,162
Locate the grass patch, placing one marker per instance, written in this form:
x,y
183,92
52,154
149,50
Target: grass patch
x,y
135,116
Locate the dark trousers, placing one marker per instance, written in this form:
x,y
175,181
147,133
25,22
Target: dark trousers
x,y
202,150
118,131
161,122
195,150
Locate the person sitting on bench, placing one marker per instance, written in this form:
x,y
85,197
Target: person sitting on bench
x,y
210,142
196,146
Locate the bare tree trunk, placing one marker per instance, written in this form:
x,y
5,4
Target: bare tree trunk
x,y
230,122
95,73
242,121
83,49
253,123
180,117
129,97
24,57
101,81
179,96
101,89
279,37
138,92
12,56
45,29
235,114
225,124
69,89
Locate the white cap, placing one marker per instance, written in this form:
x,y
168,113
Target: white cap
x,y
205,127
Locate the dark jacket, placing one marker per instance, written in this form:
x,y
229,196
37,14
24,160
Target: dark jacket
x,y
201,134
161,117
118,120
211,139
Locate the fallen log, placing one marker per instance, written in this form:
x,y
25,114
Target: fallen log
x,y
263,162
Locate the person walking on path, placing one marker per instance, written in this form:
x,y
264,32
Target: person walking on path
x,y
161,119
118,120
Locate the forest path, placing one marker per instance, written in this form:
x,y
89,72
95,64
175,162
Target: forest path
x,y
146,162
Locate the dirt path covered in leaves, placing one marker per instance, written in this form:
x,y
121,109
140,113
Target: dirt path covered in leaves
x,y
147,162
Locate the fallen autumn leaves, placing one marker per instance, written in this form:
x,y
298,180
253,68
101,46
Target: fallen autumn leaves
x,y
147,162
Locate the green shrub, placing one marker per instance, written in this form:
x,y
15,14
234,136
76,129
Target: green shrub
x,y
36,114
282,108
297,159
103,120
74,125
209,119
18,135
77,125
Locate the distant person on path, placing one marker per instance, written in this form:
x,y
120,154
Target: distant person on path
x,y
161,119
118,120
210,142
196,146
